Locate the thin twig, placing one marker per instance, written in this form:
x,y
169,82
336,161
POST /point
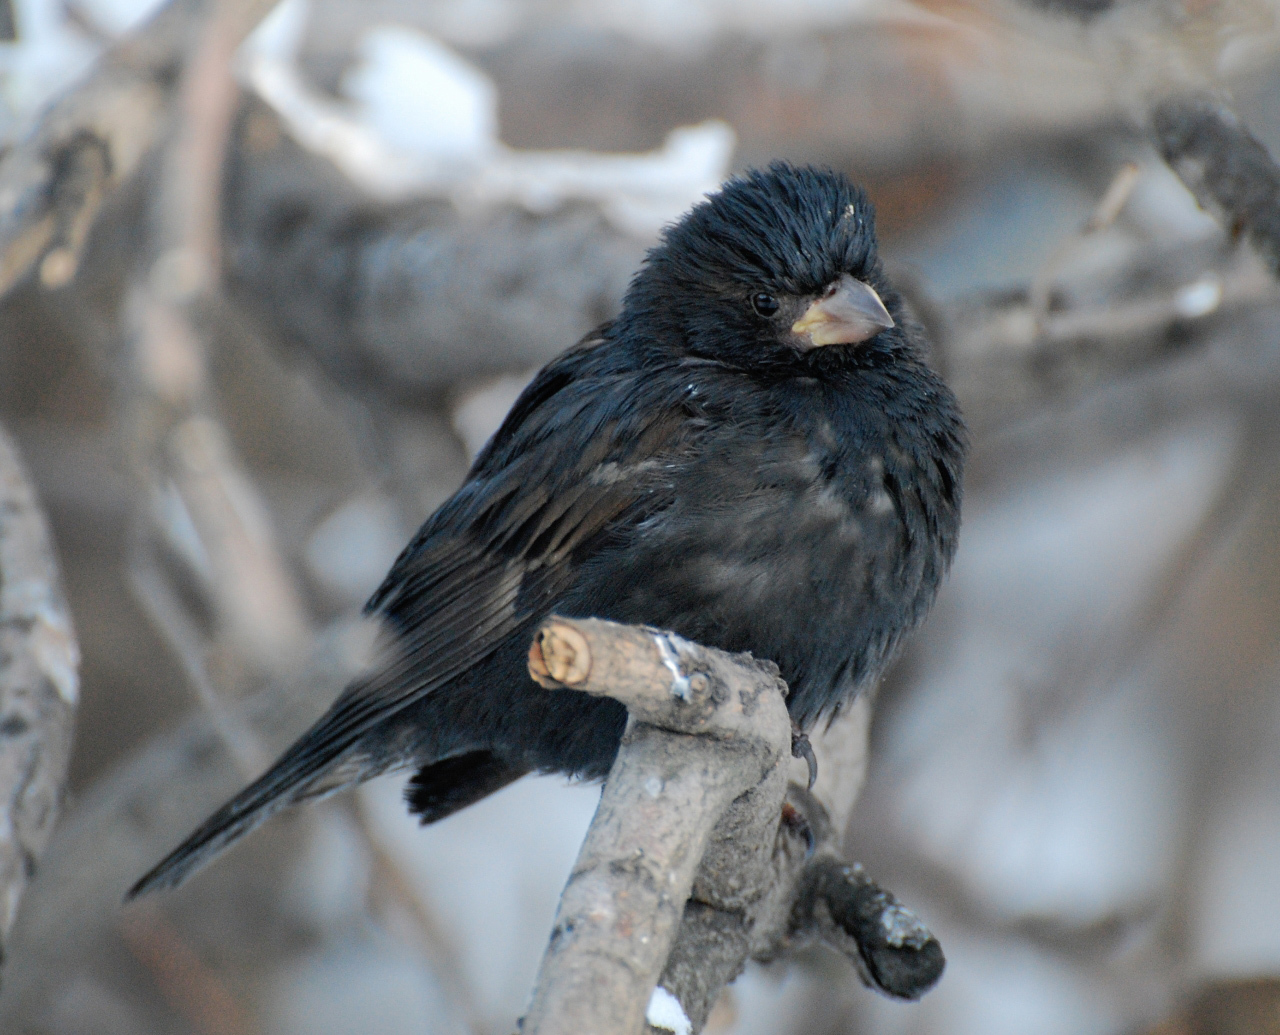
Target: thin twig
x,y
258,607
1116,196
1006,363
184,979
392,889
168,614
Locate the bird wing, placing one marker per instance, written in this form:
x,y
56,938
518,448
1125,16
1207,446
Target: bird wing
x,y
581,457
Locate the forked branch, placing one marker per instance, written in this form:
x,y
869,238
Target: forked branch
x,y
699,856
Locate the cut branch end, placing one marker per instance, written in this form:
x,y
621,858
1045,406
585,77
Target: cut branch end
x,y
559,656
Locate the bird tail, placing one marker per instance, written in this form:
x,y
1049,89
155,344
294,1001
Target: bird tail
x,y
301,772
443,787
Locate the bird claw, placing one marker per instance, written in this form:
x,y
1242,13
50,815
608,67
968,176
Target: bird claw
x,y
801,748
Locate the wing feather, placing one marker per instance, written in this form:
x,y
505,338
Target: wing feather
x,y
480,570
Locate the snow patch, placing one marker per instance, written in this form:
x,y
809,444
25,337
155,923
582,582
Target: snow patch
x,y
417,119
665,1012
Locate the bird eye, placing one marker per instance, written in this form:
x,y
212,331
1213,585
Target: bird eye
x,y
765,305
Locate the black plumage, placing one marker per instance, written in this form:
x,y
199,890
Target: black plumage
x,y
754,454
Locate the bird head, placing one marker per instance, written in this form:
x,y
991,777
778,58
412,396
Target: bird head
x,y
777,266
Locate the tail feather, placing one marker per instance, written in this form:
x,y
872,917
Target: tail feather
x,y
300,773
444,787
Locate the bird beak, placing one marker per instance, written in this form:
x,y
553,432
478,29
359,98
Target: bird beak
x,y
848,313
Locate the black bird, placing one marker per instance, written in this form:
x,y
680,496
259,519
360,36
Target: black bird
x,y
754,454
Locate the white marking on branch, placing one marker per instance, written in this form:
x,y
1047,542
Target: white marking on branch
x,y
679,681
666,1013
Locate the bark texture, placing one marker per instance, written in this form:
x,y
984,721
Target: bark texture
x,y
699,856
39,684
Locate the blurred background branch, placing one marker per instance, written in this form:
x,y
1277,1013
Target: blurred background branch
x,y
1226,167
39,686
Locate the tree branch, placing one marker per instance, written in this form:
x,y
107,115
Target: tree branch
x,y
95,137
693,863
1006,361
1227,168
706,730
39,685
179,449
380,295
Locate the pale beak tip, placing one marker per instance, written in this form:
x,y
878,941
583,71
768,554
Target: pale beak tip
x,y
853,313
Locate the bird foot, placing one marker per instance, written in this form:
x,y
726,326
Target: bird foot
x,y
895,952
801,748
